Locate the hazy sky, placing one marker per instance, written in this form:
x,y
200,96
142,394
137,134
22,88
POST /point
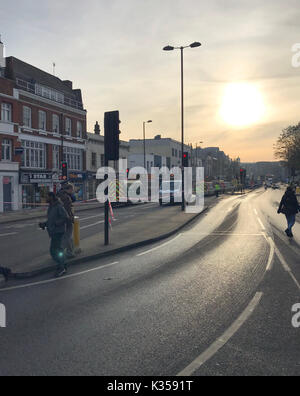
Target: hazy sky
x,y
112,50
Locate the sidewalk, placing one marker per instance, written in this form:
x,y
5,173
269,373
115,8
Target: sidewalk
x,y
29,214
151,227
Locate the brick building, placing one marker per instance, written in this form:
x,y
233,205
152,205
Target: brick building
x,y
45,117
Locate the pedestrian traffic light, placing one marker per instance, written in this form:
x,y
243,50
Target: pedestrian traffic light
x,y
111,135
185,159
64,170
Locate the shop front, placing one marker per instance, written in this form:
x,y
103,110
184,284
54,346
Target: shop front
x,y
35,188
9,187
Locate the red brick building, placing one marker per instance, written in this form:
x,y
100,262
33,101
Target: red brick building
x,y
45,117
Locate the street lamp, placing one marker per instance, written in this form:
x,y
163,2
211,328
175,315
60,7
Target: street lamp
x,y
170,48
144,134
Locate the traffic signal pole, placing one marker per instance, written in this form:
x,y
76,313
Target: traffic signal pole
x,y
111,153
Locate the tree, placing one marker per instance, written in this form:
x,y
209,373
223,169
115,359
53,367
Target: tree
x,y
287,147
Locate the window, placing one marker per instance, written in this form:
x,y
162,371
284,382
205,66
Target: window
x,y
49,93
102,158
27,116
55,157
6,150
6,112
55,123
94,160
34,155
42,120
68,125
73,156
79,129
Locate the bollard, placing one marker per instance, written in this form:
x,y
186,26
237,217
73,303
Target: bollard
x,y
76,235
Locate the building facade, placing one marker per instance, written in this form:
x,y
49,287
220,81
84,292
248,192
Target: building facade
x,y
161,147
43,122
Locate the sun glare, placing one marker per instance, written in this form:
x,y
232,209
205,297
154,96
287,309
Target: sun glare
x,y
242,104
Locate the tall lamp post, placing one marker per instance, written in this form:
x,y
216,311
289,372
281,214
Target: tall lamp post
x,y
144,135
170,48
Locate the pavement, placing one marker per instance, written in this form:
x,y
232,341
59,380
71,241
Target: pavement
x,y
214,299
31,214
25,247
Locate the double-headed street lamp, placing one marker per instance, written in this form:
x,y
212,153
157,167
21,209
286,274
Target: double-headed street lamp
x,y
169,48
144,135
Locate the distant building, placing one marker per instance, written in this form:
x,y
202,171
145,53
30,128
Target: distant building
x,y
260,170
169,150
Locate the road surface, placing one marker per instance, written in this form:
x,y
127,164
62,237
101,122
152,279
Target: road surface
x,y
215,299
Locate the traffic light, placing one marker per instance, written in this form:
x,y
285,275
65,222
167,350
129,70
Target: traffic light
x,y
64,170
185,159
111,135
243,173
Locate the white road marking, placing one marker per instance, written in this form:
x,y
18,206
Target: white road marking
x,y
272,252
220,342
92,225
261,223
58,279
286,267
255,211
9,234
158,247
91,217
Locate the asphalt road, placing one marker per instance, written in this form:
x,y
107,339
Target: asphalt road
x,y
215,299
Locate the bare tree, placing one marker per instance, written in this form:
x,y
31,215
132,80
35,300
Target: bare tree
x,y
287,147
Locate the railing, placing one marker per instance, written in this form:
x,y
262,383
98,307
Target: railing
x,y
30,87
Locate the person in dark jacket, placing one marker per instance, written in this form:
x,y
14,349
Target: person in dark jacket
x,y
289,206
66,195
57,219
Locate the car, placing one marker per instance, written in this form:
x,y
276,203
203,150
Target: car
x,y
170,192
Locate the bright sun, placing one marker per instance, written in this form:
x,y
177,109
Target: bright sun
x,y
242,105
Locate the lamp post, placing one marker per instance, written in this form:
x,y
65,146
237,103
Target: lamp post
x,y
144,135
170,48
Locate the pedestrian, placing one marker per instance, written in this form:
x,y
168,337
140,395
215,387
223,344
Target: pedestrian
x,y
217,189
67,197
289,206
5,272
57,219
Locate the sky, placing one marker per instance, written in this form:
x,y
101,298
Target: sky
x,y
112,50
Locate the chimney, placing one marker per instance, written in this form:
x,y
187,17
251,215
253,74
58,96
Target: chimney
x,y
97,128
68,83
2,58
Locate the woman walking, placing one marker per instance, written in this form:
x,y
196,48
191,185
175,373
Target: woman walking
x,y
289,206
